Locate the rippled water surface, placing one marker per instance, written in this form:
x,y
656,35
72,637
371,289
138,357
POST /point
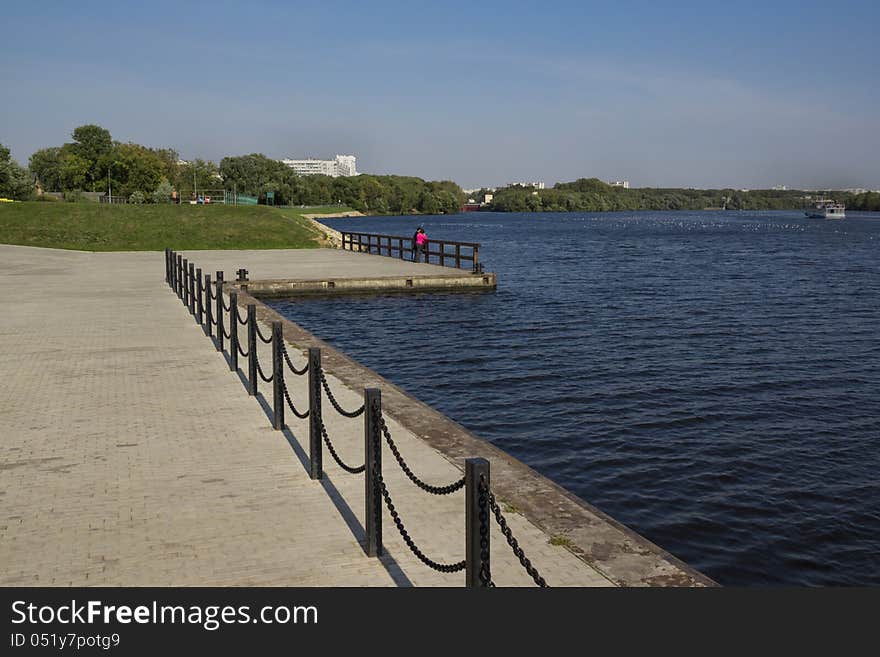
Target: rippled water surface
x,y
711,380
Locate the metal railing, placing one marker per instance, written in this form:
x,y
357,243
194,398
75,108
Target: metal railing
x,y
461,255
204,300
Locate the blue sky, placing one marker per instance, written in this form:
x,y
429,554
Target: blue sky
x,y
698,94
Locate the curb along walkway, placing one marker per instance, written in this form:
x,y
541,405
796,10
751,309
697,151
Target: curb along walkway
x,y
131,455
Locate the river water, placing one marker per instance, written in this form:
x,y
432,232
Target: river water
x,y
710,379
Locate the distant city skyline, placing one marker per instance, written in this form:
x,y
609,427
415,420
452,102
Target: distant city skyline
x,y
687,94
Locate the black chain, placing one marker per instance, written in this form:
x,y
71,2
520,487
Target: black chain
x,y
513,543
241,321
333,401
228,335
441,567
244,354
291,365
227,308
434,490
333,453
485,574
301,416
260,335
267,379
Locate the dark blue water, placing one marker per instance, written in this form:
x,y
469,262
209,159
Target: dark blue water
x,y
711,380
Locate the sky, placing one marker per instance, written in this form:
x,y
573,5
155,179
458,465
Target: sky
x,y
681,94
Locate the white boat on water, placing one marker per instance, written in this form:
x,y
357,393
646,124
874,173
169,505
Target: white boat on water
x,y
825,208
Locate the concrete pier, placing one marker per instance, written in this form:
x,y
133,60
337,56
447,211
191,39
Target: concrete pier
x,y
131,455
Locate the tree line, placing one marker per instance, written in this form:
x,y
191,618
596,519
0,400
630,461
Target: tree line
x,y
94,162
593,195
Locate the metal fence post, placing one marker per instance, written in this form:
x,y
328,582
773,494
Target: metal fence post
x,y
476,514
170,265
278,375
316,466
192,288
219,284
177,281
233,331
200,308
372,471
185,285
252,349
167,266
209,316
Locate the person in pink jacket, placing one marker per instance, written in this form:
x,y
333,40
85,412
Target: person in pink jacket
x,y
420,244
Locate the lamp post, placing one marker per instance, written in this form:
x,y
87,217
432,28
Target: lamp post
x,y
109,189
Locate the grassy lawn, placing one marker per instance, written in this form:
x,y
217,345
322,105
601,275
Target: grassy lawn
x,y
96,227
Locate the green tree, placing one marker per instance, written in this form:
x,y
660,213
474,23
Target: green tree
x,y
91,143
46,165
15,182
162,193
74,170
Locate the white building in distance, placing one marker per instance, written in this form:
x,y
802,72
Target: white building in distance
x,y
536,185
342,165
620,183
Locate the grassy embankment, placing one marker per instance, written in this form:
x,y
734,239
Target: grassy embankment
x,y
95,227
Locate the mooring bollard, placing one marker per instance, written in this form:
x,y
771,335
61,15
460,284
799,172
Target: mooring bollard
x,y
372,471
200,308
233,331
278,375
209,315
219,284
476,518
252,349
192,288
316,466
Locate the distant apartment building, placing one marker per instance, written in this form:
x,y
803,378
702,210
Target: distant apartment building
x,y
536,185
779,188
342,165
620,183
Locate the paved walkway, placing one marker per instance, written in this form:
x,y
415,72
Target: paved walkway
x,y
131,455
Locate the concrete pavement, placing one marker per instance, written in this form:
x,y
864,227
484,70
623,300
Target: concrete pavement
x,y
131,455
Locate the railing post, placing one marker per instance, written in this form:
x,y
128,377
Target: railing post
x,y
192,288
400,246
476,523
233,331
209,316
183,281
167,266
372,471
252,349
170,265
200,308
458,256
442,247
177,281
476,256
219,284
316,467
278,375
185,297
